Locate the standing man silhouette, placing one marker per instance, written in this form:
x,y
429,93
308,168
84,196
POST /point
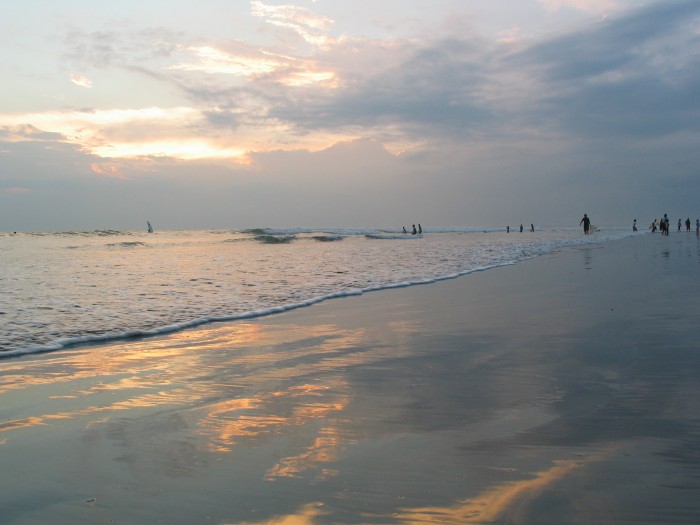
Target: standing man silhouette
x,y
586,224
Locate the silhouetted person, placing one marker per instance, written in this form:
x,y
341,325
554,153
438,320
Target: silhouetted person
x,y
521,228
679,225
687,224
634,225
404,229
414,230
507,229
665,223
586,224
420,228
532,227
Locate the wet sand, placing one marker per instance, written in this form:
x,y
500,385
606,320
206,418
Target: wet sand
x,y
564,389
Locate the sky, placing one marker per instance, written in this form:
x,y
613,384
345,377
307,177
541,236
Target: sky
x,y
331,113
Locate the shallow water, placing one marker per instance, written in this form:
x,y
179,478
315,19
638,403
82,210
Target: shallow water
x,y
60,289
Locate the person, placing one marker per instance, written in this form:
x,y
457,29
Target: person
x,y
687,224
586,223
697,227
414,230
679,225
665,223
652,226
521,228
420,229
532,227
404,229
634,225
507,229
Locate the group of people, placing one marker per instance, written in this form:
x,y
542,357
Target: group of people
x,y
663,225
414,231
532,228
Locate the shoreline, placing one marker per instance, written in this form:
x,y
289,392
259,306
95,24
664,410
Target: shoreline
x,y
553,390
131,333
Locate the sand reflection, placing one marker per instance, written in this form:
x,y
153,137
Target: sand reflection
x,y
232,384
504,502
306,516
325,449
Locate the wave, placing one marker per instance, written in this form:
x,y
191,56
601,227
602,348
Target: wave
x,y
176,327
274,239
126,244
94,233
393,236
327,238
256,231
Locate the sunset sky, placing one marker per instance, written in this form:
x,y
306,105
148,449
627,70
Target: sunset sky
x,y
337,113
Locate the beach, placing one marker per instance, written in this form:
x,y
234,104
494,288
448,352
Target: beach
x,y
561,389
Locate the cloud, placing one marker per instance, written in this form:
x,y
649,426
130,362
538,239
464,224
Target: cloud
x,y
590,6
432,91
511,35
16,190
108,48
632,76
108,169
310,26
81,80
255,64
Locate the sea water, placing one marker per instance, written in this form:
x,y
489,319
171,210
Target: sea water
x,y
62,289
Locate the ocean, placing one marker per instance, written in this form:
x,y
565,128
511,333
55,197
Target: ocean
x,y
62,289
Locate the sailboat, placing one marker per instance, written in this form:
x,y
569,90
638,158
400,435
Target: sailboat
x,y
150,228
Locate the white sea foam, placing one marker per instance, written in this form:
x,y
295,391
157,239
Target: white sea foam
x,y
69,288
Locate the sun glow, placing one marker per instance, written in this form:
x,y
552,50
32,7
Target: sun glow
x,y
161,132
185,150
212,60
251,64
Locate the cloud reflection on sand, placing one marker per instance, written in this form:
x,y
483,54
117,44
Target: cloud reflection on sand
x,y
502,502
232,385
493,505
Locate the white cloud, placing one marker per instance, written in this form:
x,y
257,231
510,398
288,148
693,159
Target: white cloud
x,y
81,80
277,68
310,26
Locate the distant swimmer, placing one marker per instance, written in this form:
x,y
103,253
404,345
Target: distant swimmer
x,y
532,227
634,225
420,228
414,230
404,229
586,224
521,228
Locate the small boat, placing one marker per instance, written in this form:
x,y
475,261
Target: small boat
x,y
150,228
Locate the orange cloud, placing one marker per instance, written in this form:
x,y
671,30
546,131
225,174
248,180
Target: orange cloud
x,y
111,170
81,80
